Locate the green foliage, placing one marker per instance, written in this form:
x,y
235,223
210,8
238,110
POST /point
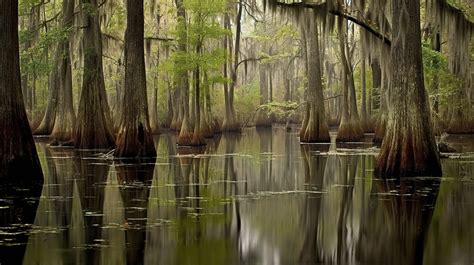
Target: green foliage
x,y
201,33
280,109
247,97
34,59
436,70
465,6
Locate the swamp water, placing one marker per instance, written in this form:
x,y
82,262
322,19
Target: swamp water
x,y
258,198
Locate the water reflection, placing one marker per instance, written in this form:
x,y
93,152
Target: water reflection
x,y
261,198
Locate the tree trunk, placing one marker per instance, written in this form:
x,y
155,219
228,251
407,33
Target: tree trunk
x,y
154,122
94,124
18,158
206,114
186,133
135,138
409,146
381,122
230,123
198,138
363,106
170,103
350,128
47,123
64,124
176,98
315,126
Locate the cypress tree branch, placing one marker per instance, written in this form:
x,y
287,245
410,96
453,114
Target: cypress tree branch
x,y
339,13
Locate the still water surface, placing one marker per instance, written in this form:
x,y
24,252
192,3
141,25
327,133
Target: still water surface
x,y
258,198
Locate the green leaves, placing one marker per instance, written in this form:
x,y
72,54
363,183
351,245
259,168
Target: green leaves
x,y
436,70
34,58
202,34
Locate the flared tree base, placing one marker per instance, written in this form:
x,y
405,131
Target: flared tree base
x,y
379,133
133,143
315,133
407,154
42,130
190,139
350,132
198,140
175,125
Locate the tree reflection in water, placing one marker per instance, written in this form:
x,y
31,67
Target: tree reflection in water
x,y
261,198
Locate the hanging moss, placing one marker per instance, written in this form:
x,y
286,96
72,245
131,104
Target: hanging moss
x,y
450,18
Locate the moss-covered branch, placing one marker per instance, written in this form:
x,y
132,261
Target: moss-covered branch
x,y
340,13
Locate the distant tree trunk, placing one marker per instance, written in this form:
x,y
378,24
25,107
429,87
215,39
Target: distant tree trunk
x,y
206,114
177,108
171,108
154,123
350,128
118,106
230,123
409,146
381,121
198,137
135,138
47,123
369,106
64,125
34,20
186,133
93,124
18,158
315,125
262,118
363,106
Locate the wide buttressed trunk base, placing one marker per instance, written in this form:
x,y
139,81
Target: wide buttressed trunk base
x,y
409,146
231,128
134,142
186,134
230,123
206,127
154,128
379,132
216,126
350,132
18,158
406,153
88,136
315,128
